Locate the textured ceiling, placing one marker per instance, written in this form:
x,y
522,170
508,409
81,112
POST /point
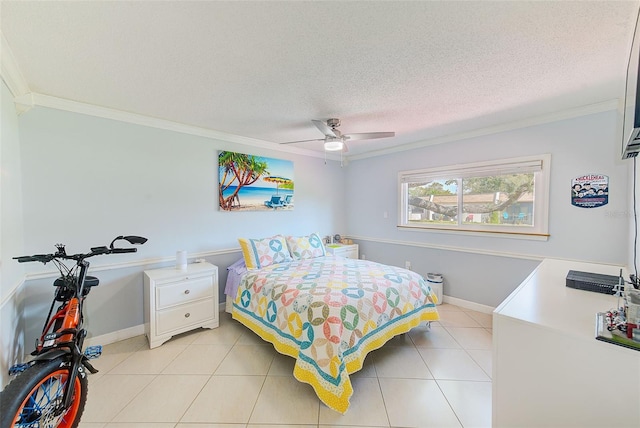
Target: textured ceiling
x,y
265,69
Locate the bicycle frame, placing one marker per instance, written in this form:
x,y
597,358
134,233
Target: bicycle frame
x,y
69,337
69,313
62,334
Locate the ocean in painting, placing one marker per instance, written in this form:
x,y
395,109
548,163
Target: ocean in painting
x,y
256,195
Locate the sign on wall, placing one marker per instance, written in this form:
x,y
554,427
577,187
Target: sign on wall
x,y
590,191
254,183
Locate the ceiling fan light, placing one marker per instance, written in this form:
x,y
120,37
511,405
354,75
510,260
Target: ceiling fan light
x,y
333,145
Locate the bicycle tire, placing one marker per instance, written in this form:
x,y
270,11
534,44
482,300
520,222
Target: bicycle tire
x,y
30,400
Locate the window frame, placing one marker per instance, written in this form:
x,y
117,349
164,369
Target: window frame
x,y
540,165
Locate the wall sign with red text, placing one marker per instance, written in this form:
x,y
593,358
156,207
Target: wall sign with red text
x,y
590,191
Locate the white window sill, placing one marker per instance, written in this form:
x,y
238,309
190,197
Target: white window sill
x,y
489,233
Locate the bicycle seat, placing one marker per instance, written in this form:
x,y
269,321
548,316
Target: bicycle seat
x,y
89,281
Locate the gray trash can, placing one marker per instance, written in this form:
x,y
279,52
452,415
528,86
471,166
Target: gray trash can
x,y
435,281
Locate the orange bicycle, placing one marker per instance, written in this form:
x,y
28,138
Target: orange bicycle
x,y
51,389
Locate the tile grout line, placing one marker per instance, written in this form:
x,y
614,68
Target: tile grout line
x,y
455,380
384,402
272,362
436,380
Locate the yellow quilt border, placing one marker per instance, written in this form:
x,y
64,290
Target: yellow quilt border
x,y
339,403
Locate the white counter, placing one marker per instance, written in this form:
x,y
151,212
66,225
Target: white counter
x,y
548,368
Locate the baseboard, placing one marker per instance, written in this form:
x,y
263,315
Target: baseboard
x,y
468,305
116,336
127,333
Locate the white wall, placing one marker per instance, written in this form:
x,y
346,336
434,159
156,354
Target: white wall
x,y
87,179
486,269
11,236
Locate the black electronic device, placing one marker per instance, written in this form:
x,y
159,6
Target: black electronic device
x,y
605,284
631,111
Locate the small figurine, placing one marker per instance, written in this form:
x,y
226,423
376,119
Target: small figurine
x,y
616,320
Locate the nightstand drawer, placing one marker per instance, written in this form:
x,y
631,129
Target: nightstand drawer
x,y
185,315
349,251
184,291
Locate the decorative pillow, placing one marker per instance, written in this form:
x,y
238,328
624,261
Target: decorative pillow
x,y
259,253
306,247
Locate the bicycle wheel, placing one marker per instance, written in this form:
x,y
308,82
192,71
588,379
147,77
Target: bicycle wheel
x,y
34,398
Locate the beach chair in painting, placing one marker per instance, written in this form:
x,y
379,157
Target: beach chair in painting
x,y
275,202
287,200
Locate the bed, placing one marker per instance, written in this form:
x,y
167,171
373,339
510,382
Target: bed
x,y
327,312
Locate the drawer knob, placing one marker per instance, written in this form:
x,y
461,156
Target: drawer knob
x,y
187,315
187,291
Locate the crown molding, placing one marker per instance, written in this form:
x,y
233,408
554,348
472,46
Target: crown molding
x,y
23,103
13,78
11,73
152,122
509,126
25,100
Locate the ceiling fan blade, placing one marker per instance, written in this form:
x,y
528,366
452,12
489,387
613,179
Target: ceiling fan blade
x,y
324,128
369,135
302,141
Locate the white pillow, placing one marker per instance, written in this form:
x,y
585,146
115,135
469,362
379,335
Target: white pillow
x,y
263,252
306,247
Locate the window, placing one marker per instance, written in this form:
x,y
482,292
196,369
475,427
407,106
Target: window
x,y
508,196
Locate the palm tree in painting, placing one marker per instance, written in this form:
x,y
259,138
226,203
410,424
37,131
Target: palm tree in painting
x,y
237,169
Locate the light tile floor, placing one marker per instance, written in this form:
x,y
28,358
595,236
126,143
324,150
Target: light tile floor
x,y
438,376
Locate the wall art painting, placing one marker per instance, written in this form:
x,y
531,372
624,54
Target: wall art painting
x,y
254,183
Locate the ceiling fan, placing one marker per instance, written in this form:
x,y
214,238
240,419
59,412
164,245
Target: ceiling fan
x,y
335,141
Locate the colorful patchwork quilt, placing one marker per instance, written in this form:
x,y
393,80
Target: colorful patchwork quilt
x,y
329,312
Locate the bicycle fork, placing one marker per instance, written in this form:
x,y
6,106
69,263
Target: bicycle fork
x,y
74,369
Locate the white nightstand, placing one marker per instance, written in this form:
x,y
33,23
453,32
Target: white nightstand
x,y
349,251
176,301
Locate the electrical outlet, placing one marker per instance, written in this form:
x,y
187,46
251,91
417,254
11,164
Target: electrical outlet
x,y
407,264
363,257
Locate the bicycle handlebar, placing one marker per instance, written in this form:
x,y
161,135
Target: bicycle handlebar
x,y
44,258
95,251
124,250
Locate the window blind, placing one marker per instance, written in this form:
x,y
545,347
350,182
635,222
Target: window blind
x,y
472,170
